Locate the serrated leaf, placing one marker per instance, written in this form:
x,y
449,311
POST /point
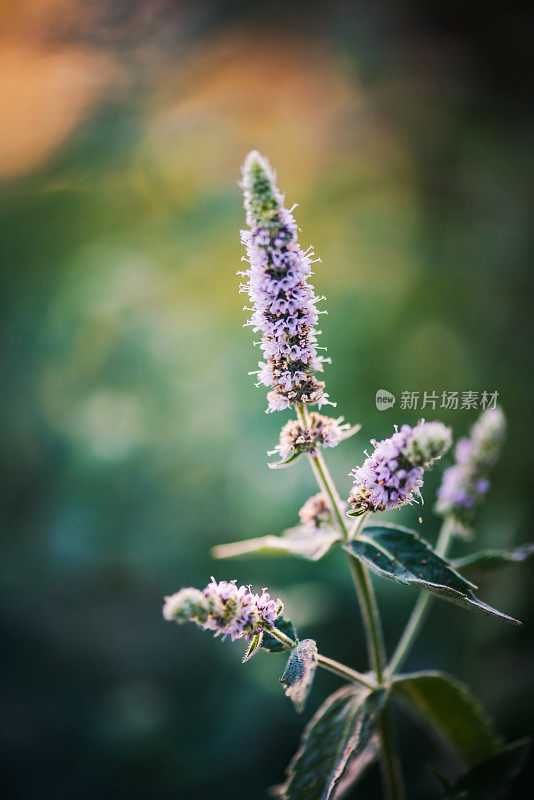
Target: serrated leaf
x,y
340,729
273,645
299,673
447,705
297,541
399,554
491,777
493,559
254,646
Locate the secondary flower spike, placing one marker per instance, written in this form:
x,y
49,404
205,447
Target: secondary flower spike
x,y
283,302
225,608
393,474
465,484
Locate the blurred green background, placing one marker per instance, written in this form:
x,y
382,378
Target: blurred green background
x,y
134,440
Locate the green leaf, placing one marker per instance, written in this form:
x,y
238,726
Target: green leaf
x,y
399,554
493,559
491,777
273,645
448,707
341,728
296,541
254,646
299,673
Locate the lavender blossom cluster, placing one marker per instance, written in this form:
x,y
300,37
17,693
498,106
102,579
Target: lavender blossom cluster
x,y
393,474
284,303
225,608
466,482
320,432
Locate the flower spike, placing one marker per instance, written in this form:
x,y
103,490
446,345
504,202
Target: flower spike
x,y
284,303
393,474
224,608
466,483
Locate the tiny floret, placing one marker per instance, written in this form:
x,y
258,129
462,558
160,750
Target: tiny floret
x,y
315,512
284,303
393,474
320,432
465,484
224,608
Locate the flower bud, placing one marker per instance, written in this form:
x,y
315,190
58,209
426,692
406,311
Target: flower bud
x,y
187,605
428,442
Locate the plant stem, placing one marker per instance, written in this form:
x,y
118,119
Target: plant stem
x,y
373,630
390,762
324,479
391,771
420,609
327,663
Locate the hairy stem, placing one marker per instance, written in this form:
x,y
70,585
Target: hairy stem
x,y
420,609
392,776
326,663
373,629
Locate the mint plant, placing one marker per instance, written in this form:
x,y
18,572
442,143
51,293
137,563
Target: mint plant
x,y
354,726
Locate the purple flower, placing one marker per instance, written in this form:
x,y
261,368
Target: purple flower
x,y
225,608
320,432
284,303
393,474
465,483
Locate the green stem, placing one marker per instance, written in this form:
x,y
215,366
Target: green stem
x,y
392,776
420,609
324,479
327,663
390,762
373,629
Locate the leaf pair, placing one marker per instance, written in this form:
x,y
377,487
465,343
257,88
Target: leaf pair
x,y
340,730
341,734
400,555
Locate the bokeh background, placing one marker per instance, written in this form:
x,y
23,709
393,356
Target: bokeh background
x,y
133,438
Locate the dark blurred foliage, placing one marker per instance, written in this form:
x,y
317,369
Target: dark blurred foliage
x,y
133,438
